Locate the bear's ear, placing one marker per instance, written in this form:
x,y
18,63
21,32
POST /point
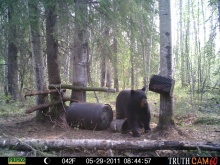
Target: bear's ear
x,y
143,89
132,92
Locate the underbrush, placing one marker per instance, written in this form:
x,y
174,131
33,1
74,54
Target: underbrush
x,y
189,113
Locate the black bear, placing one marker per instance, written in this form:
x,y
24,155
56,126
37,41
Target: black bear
x,y
133,105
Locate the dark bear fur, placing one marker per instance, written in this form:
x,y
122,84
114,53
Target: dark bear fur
x,y
133,105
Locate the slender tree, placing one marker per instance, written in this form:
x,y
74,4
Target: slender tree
x,y
12,54
57,111
151,43
166,101
182,54
80,54
115,48
219,14
104,53
115,61
37,56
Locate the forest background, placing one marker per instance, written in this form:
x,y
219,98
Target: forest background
x,y
121,50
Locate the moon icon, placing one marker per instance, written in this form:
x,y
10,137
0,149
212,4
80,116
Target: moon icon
x,y
46,160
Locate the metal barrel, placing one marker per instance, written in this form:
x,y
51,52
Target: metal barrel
x,y
120,125
91,116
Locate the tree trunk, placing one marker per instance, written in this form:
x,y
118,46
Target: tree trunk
x,y
193,56
64,30
132,55
219,14
150,45
188,60
182,55
166,101
103,69
199,59
57,111
80,53
144,55
12,56
105,54
103,144
37,55
108,75
115,64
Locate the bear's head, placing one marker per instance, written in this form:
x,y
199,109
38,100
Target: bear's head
x,y
139,97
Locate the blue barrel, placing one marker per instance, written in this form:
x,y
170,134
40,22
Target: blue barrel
x,y
92,116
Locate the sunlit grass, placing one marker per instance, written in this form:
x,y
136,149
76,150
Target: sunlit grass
x,y
183,102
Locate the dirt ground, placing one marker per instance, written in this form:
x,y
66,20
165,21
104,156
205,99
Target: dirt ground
x,y
24,126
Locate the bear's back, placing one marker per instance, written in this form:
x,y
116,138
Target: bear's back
x,y
121,103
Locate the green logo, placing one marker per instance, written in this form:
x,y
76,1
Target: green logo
x,y
16,160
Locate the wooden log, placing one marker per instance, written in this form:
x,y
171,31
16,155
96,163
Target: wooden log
x,y
32,93
46,105
162,85
77,88
104,144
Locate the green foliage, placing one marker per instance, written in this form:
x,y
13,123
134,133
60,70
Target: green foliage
x,y
12,109
208,120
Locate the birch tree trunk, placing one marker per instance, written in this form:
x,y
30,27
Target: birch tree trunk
x,y
219,14
103,144
37,55
115,64
115,52
182,55
151,43
132,54
166,101
196,51
187,50
80,53
12,56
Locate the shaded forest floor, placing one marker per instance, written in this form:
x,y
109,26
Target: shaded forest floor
x,y
202,124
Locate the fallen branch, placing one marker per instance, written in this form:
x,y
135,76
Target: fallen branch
x,y
102,144
32,93
46,105
77,88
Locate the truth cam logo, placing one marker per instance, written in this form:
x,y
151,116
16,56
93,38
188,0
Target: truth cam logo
x,y
204,161
194,161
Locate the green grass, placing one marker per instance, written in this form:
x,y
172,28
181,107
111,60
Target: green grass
x,y
12,109
184,104
208,120
186,108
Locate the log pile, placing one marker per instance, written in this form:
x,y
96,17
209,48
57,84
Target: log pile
x,y
61,89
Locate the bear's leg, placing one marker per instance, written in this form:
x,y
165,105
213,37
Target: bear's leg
x,y
145,117
133,123
147,122
140,124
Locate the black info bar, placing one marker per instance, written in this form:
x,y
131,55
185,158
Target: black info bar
x,y
110,160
